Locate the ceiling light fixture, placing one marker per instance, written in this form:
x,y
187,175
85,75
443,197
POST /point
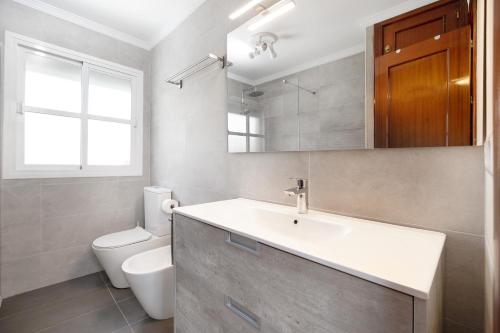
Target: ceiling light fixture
x,y
264,41
270,14
237,13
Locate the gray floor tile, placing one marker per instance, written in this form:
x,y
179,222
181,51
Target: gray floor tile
x,y
125,329
154,326
132,310
47,316
105,320
51,294
82,305
120,294
104,277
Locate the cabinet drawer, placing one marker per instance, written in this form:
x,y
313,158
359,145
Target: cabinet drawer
x,y
202,283
285,292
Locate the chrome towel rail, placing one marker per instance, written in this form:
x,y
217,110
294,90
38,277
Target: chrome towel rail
x,y
178,79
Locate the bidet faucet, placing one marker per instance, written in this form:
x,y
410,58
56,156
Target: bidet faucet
x,y
301,192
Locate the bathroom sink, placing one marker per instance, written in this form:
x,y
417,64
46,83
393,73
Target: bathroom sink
x,y
402,258
299,228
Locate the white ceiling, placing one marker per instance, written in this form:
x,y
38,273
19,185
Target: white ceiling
x,y
313,33
140,22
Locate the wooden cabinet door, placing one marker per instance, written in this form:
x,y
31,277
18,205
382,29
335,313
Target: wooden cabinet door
x,y
422,93
421,24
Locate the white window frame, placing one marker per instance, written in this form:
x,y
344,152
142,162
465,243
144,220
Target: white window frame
x,y
13,166
246,134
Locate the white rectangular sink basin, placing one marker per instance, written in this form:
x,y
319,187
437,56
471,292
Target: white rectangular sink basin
x,y
402,258
304,228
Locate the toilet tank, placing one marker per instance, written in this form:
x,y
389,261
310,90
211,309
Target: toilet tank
x,y
156,221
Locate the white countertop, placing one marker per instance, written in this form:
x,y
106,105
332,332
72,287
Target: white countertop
x,y
401,258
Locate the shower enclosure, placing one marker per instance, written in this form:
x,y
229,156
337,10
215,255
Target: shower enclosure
x,y
266,117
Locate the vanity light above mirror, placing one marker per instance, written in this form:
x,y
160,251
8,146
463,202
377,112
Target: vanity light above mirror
x,y
265,15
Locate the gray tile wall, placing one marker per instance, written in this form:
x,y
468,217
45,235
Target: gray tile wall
x,y
294,119
47,226
334,118
435,188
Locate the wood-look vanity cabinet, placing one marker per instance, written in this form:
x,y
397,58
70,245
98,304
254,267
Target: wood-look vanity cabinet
x,y
226,284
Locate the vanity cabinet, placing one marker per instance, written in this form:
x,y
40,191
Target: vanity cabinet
x,y
228,283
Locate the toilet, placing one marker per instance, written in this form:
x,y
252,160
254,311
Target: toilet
x,y
113,249
151,277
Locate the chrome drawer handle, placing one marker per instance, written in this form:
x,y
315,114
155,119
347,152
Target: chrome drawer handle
x,y
243,243
241,312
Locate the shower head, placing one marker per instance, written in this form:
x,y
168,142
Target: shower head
x,y
253,92
256,93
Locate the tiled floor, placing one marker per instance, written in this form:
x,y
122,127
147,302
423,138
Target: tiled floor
x,y
85,305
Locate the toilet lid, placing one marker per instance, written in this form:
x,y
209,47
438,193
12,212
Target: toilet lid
x,y
123,238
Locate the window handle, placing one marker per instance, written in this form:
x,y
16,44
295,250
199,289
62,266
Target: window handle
x,y
20,108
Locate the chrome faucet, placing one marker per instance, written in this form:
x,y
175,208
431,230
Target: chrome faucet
x,y
301,192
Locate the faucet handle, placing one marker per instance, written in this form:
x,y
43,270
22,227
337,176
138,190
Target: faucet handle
x,y
301,182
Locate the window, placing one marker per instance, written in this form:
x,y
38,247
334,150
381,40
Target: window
x,y
69,114
245,133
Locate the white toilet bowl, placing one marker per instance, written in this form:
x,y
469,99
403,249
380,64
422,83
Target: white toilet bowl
x,y
111,250
151,277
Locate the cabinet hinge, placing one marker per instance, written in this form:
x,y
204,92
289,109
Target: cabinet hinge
x,y
471,43
458,14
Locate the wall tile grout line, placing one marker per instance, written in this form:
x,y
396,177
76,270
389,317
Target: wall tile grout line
x,y
310,185
45,252
379,220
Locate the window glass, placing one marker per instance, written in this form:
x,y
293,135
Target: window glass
x,y
109,96
51,140
72,115
237,143
255,125
52,83
236,123
108,143
257,144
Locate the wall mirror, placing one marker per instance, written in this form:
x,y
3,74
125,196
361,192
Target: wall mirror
x,y
319,75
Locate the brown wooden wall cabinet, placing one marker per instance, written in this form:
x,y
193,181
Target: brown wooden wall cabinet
x,y
420,24
423,78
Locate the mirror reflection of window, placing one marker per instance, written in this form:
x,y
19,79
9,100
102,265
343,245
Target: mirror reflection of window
x,y
353,89
244,120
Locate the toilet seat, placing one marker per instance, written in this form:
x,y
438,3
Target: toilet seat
x,y
122,238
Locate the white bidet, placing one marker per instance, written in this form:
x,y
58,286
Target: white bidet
x,y
151,278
